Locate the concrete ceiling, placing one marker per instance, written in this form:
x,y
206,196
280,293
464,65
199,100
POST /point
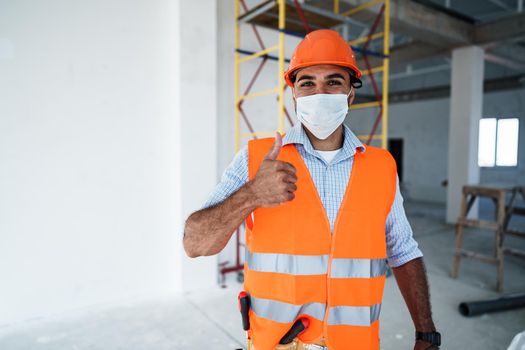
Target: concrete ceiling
x,y
426,31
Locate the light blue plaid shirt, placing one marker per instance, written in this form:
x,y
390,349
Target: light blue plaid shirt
x,y
330,180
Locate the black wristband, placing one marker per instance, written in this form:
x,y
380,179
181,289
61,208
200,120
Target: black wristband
x,y
433,338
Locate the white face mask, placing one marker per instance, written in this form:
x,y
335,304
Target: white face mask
x,y
322,113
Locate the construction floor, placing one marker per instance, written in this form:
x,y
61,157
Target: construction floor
x,y
210,320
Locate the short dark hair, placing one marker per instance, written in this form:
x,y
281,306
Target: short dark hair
x,y
354,81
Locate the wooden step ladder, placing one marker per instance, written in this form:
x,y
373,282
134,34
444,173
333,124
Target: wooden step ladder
x,y
500,226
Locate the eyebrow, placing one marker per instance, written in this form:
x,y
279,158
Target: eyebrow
x,y
306,77
328,77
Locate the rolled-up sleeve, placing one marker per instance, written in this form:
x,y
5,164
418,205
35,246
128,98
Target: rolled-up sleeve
x,y
234,177
400,243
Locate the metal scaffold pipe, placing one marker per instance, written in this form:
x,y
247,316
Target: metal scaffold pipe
x,y
508,302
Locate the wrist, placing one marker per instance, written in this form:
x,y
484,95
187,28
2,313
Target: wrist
x,y
250,200
425,324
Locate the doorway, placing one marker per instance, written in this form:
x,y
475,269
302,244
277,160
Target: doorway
x,y
395,146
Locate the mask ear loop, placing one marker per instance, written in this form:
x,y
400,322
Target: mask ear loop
x,y
350,93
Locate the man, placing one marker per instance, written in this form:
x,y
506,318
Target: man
x,y
323,215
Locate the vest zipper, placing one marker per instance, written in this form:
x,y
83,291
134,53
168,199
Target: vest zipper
x,y
332,246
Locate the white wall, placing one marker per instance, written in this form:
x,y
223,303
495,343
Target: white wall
x,y
198,111
89,174
225,101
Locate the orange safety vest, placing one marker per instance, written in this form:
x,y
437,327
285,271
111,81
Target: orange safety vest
x,y
296,267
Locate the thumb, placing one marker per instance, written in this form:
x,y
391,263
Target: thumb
x,y
276,148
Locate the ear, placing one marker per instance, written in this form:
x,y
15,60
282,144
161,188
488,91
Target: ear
x,y
351,96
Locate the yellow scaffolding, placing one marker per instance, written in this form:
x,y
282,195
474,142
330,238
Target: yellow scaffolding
x,y
276,14
287,17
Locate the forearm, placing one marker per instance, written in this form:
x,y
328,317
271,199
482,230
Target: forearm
x,y
412,281
207,231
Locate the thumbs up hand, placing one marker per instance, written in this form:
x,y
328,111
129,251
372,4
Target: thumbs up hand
x,y
275,180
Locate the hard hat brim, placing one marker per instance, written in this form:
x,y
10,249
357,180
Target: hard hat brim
x,y
288,73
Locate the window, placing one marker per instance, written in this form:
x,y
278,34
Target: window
x,y
498,142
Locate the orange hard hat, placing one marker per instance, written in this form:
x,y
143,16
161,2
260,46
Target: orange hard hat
x,y
323,46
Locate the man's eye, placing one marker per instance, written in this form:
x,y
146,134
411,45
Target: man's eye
x,y
334,82
307,83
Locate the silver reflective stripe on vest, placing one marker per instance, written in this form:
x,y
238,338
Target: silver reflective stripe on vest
x,y
289,264
358,268
279,311
354,315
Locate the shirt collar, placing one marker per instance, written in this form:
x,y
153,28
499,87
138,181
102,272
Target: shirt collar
x,y
297,135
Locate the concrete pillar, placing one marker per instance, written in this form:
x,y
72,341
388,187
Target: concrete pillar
x,y
198,124
465,112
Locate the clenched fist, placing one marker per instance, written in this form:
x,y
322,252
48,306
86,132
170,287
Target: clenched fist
x,y
275,180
